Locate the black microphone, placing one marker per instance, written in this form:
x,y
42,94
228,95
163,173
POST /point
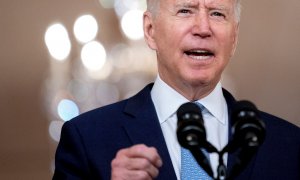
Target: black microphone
x,y
190,127
191,134
248,132
248,129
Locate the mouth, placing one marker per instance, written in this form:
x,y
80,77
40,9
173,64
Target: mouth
x,y
199,54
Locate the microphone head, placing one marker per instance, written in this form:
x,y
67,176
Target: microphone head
x,y
188,108
244,108
248,129
190,128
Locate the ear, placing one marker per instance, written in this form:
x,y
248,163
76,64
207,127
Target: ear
x,y
235,38
148,26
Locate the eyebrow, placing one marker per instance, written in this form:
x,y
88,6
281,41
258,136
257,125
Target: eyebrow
x,y
186,4
193,4
218,7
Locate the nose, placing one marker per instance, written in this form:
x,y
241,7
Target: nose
x,y
201,25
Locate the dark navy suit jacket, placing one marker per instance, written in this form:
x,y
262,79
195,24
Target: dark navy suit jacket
x,y
90,141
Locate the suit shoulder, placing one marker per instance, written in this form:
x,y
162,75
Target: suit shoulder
x,y
113,113
280,127
99,114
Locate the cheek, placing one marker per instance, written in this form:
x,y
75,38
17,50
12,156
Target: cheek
x,y
226,41
168,39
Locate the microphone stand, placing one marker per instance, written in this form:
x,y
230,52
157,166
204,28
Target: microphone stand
x,y
199,156
248,134
245,153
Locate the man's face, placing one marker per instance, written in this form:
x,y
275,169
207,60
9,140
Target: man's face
x,y
194,40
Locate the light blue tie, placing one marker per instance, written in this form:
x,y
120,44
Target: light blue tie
x,y
190,170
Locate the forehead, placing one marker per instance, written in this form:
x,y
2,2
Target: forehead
x,y
199,2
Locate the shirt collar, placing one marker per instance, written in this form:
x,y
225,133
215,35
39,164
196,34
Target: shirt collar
x,y
166,101
215,103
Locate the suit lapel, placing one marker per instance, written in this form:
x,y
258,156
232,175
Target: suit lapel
x,y
144,128
246,173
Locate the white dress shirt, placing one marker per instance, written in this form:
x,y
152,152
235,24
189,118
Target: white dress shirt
x,y
166,101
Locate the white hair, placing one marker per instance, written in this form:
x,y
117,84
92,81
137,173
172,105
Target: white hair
x,y
153,7
238,10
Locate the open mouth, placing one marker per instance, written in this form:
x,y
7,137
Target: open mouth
x,y
199,54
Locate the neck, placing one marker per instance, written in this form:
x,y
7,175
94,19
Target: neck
x,y
190,91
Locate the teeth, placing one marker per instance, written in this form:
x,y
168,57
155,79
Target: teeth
x,y
200,57
199,54
199,51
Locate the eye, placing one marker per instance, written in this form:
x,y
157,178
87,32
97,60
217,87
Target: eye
x,y
184,11
218,14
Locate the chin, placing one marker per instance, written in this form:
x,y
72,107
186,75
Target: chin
x,y
196,81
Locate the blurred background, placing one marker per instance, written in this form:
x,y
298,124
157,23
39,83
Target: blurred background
x,y
60,58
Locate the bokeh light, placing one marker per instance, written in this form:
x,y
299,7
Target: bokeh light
x,y
120,52
58,42
85,28
123,6
132,24
107,3
67,109
104,73
98,72
93,56
79,89
107,93
55,129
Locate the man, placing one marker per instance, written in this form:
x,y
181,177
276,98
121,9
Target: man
x,y
136,138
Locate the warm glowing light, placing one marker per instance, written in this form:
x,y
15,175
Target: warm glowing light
x,y
104,73
123,6
93,56
58,42
107,3
55,129
67,109
119,53
132,24
85,28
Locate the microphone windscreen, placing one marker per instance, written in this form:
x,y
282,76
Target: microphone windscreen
x,y
248,129
188,107
242,109
190,128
